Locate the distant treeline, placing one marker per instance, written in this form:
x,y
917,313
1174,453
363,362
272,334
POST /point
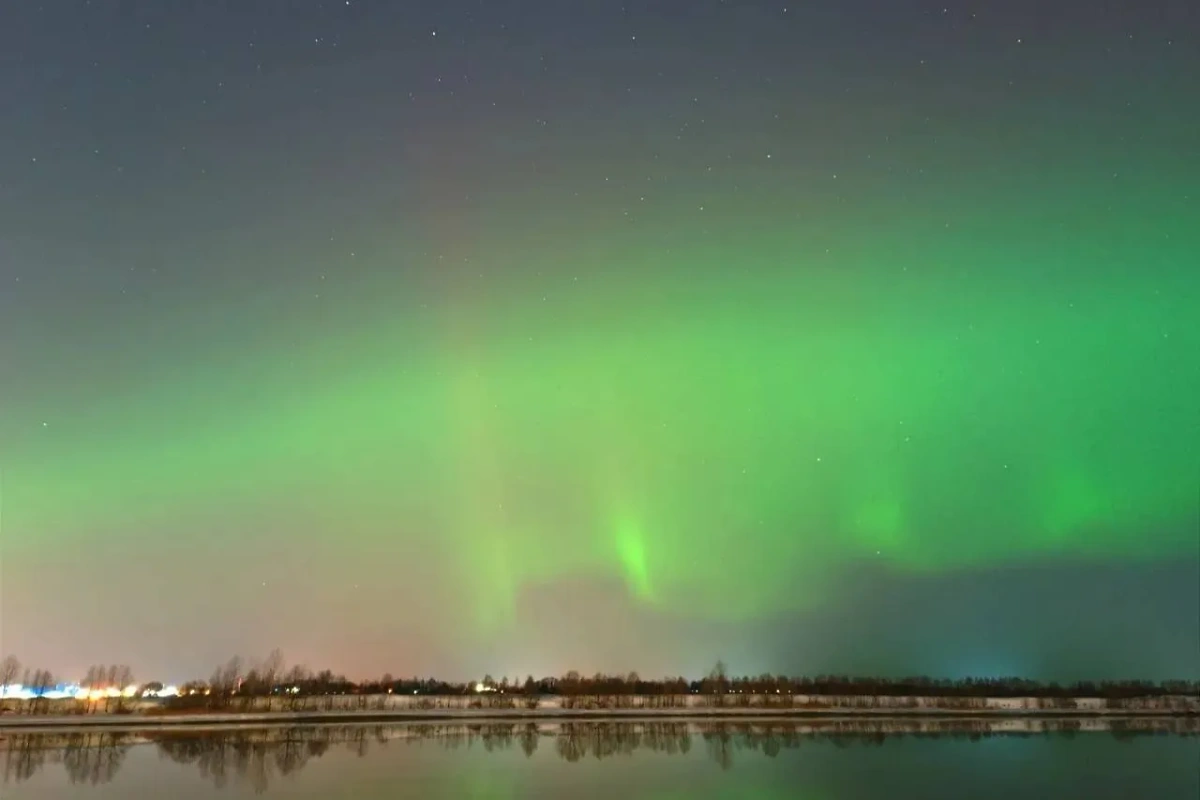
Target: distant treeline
x,y
242,679
270,678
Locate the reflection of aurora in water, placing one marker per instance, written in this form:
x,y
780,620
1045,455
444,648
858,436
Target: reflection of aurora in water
x,y
257,756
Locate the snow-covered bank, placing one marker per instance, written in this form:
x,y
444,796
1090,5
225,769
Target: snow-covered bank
x,y
406,708
411,727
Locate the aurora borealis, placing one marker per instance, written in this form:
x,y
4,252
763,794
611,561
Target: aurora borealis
x,y
448,337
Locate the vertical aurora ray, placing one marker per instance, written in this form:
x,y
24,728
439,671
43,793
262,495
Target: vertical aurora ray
x,y
481,521
631,547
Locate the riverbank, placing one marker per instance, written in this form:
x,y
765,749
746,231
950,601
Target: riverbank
x,y
166,719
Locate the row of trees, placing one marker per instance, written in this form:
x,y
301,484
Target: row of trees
x,y
270,678
111,681
38,680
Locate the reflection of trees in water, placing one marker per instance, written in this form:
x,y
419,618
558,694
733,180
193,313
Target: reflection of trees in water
x,y
94,758
575,740
88,757
529,738
23,758
257,756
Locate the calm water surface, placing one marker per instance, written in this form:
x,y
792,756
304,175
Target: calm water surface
x,y
626,760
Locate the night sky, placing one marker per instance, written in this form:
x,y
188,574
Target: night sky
x,y
449,336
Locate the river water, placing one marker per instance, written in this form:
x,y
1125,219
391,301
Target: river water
x,y
627,760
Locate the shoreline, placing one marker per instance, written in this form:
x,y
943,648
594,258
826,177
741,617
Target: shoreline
x,y
142,721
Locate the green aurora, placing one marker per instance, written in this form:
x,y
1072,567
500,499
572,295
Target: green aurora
x,y
587,336
722,440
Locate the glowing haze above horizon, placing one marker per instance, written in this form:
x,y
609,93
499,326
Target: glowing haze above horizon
x,y
450,338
